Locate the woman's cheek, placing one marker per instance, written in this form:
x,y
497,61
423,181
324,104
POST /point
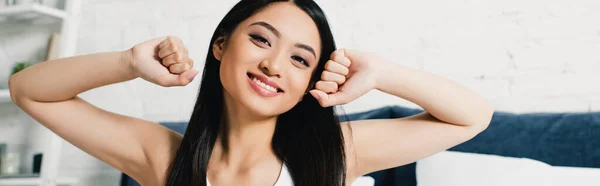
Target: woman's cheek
x,y
300,84
250,54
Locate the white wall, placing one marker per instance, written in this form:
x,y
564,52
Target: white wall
x,y
523,56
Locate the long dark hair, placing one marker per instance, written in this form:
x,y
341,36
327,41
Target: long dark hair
x,y
308,138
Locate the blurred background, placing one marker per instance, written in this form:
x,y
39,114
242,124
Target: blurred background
x,y
523,56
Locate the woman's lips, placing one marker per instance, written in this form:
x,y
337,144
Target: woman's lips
x,y
264,79
260,90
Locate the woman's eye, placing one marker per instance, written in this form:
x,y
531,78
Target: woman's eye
x,y
301,60
260,39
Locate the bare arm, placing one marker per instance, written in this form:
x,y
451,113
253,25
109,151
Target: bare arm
x,y
454,114
62,79
48,92
443,98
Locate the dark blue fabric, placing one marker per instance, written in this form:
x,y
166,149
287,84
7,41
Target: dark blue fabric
x,y
560,139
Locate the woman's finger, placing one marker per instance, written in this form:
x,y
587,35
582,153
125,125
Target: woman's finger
x,y
179,68
168,40
191,62
330,76
165,42
182,79
340,57
327,86
336,67
167,50
170,49
177,57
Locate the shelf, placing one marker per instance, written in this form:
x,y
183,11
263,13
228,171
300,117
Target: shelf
x,y
4,96
34,181
31,12
20,176
18,20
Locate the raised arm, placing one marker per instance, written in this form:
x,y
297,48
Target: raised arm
x,y
48,92
454,114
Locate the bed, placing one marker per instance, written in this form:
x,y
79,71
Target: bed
x,y
549,149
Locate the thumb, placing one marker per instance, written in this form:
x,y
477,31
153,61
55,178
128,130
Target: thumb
x,y
327,100
180,79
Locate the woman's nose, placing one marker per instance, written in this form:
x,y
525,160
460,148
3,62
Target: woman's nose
x,y
272,66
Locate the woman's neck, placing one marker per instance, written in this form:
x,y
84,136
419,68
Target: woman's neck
x,y
245,138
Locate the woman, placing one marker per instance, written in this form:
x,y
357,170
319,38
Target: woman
x,y
264,112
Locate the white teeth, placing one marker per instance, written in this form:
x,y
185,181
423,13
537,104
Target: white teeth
x,y
263,85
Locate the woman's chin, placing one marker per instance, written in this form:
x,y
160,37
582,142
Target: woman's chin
x,y
263,108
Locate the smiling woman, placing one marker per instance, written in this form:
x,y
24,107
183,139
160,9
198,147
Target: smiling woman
x,y
254,121
266,55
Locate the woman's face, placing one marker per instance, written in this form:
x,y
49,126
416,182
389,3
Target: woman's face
x,y
267,62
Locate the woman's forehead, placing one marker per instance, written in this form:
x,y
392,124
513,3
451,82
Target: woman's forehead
x,y
290,22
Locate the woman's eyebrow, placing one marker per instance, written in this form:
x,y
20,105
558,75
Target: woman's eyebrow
x,y
308,48
267,26
278,34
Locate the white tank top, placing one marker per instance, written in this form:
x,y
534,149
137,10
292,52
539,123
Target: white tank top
x,y
285,179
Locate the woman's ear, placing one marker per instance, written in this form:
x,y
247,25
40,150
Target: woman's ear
x,y
218,47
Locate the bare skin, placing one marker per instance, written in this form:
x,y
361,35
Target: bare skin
x,y
144,150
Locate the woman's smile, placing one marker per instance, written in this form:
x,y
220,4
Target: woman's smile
x,y
263,86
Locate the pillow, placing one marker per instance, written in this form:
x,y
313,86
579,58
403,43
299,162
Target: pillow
x,y
449,168
364,181
576,176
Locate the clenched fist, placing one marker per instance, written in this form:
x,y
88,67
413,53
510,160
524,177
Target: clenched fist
x,y
348,75
163,61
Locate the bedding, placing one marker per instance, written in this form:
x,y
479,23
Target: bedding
x,y
449,168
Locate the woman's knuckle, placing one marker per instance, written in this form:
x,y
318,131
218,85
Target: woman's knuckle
x,y
173,47
166,62
340,80
324,75
334,88
328,65
172,39
178,57
321,85
337,58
